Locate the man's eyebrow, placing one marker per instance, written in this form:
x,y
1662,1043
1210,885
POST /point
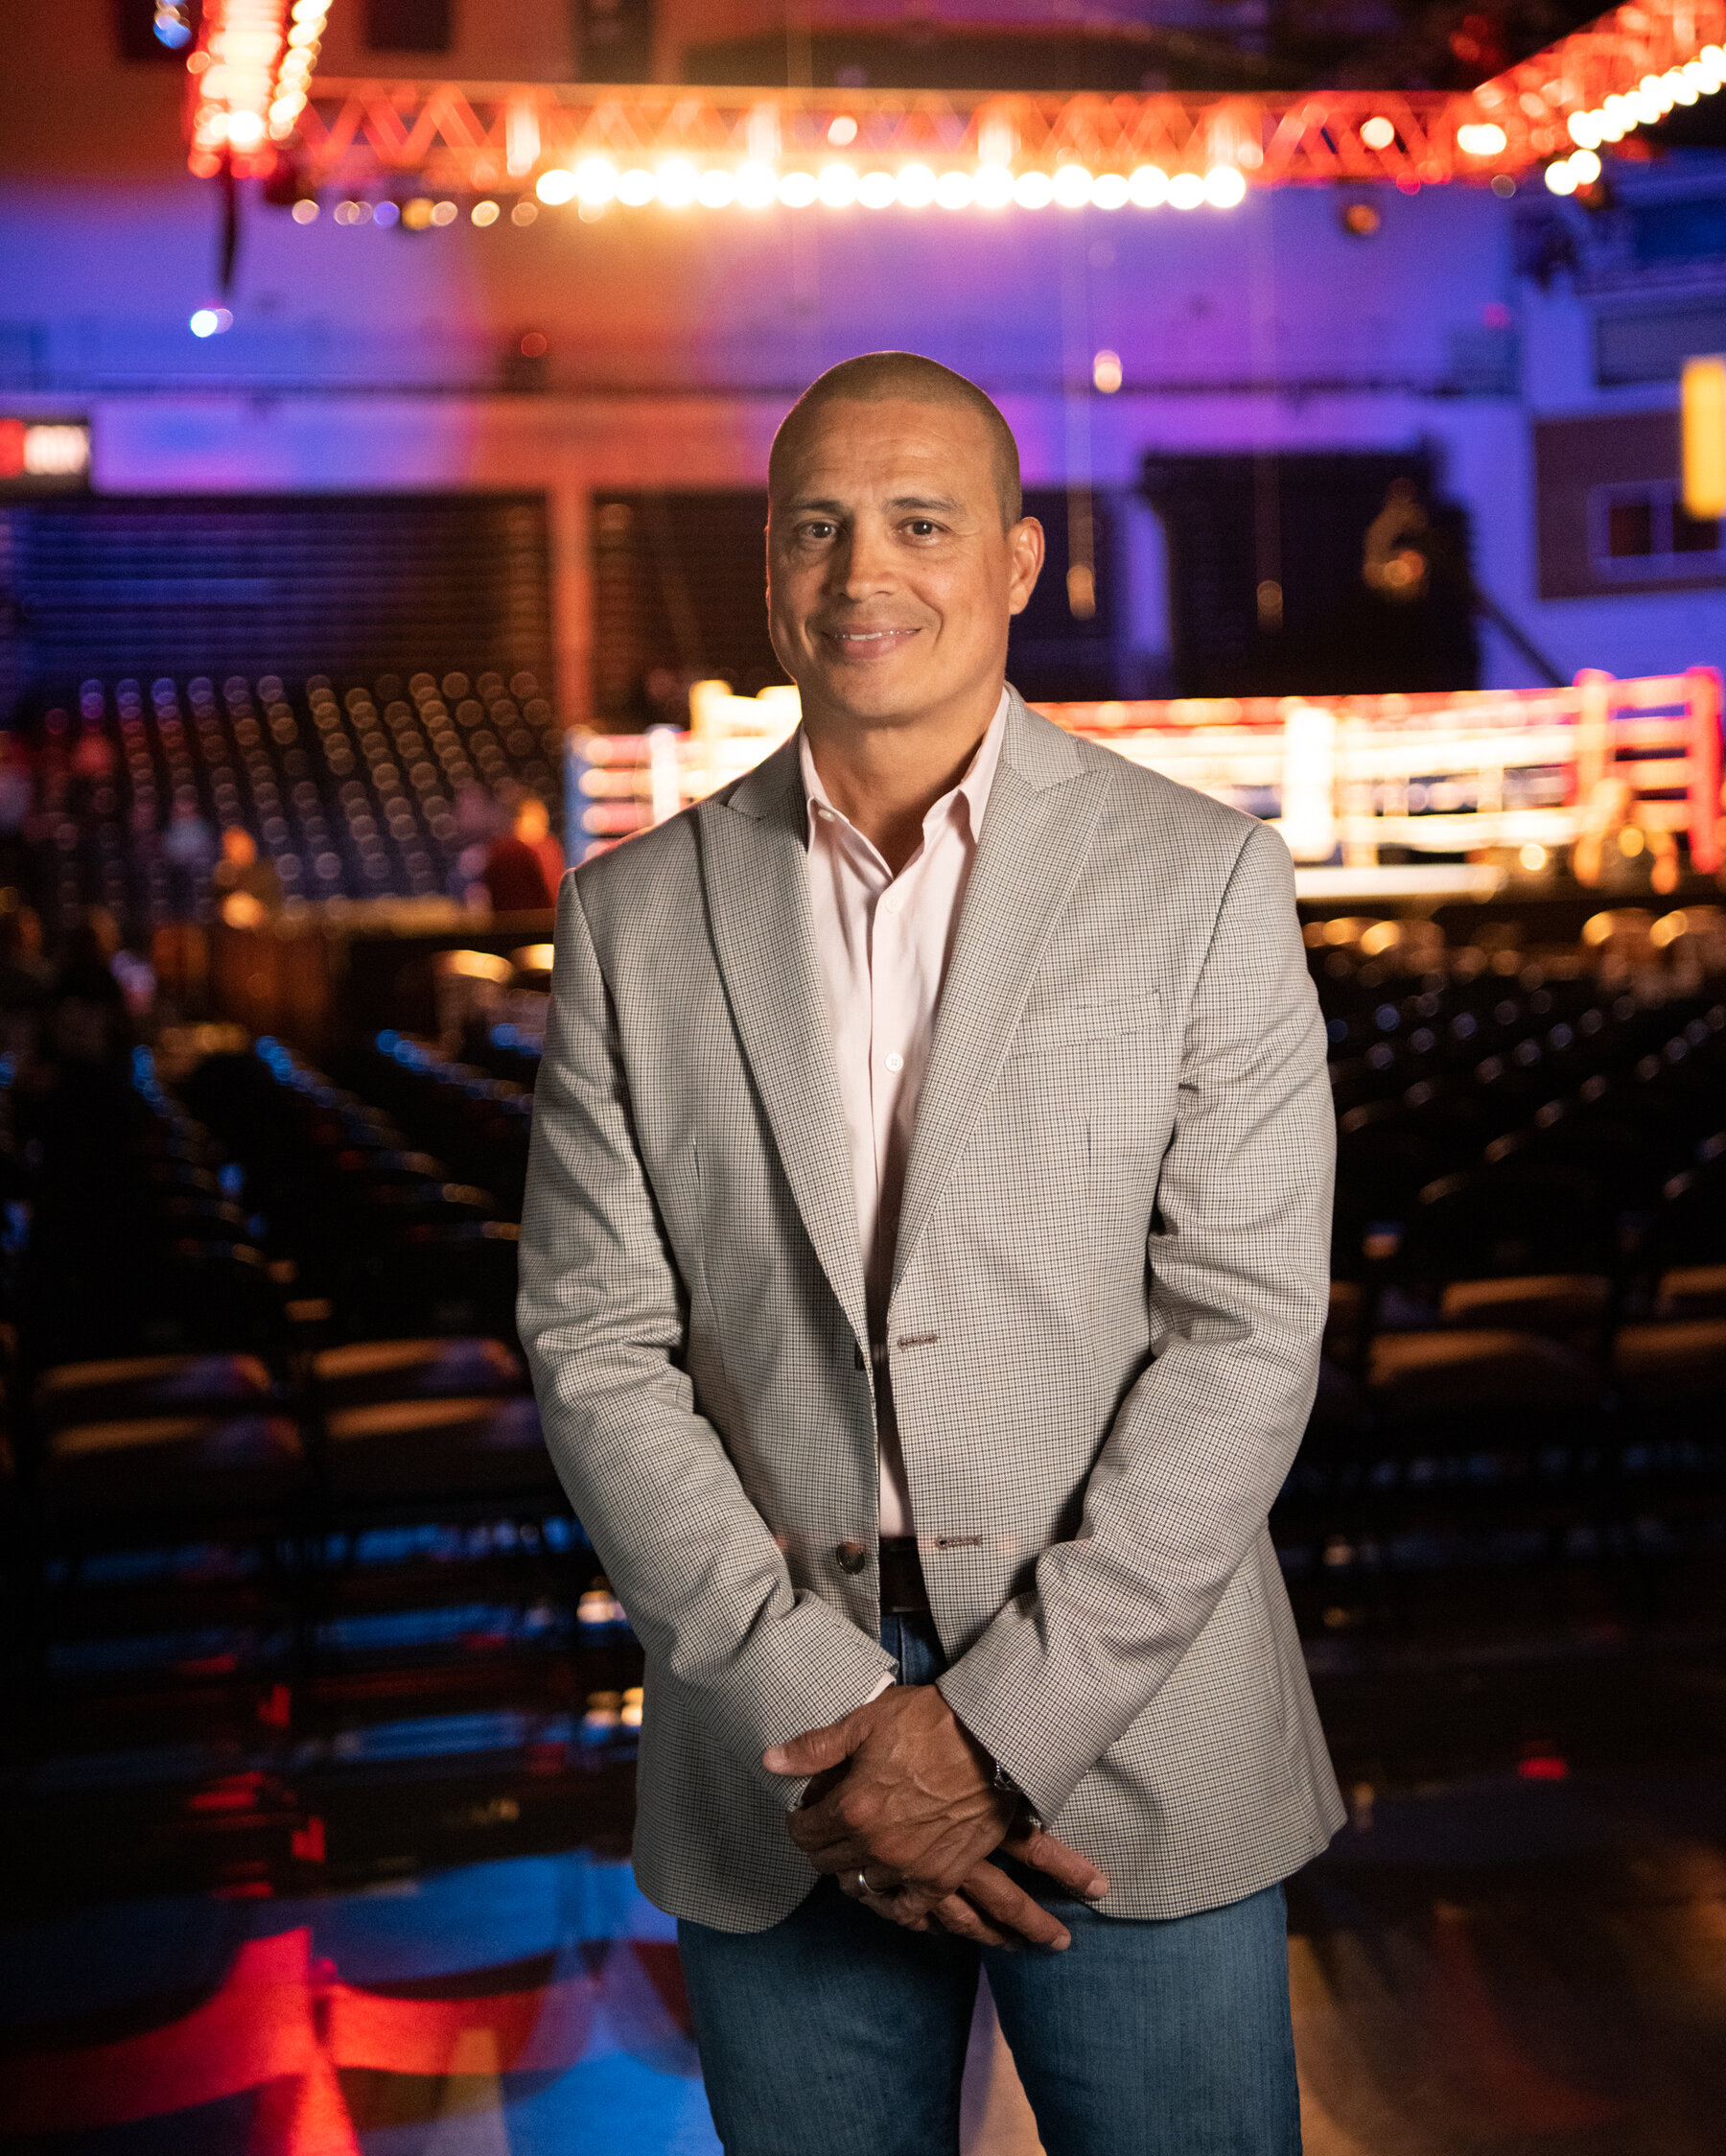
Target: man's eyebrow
x,y
816,502
924,502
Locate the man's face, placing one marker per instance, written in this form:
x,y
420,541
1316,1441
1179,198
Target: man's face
x,y
890,580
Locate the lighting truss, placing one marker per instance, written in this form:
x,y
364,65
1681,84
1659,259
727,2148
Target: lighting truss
x,y
686,148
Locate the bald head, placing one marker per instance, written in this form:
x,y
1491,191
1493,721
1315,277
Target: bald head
x,y
904,377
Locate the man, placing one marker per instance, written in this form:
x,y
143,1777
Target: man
x,y
923,1271
524,867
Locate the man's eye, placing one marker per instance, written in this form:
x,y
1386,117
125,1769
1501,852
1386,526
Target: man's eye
x,y
921,527
818,530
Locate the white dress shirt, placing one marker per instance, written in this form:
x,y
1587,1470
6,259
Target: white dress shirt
x,y
883,943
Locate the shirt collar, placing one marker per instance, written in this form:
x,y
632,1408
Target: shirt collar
x,y
973,787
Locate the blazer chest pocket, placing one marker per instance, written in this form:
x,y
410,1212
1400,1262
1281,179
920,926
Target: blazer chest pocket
x,y
1080,1019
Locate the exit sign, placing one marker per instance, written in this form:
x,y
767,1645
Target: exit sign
x,y
44,456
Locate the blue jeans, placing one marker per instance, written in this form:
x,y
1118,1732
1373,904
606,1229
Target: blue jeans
x,y
838,2033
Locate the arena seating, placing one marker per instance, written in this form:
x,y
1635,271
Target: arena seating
x,y
300,1583
376,792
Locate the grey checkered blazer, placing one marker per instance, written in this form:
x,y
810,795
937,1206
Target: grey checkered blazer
x,y
1102,1334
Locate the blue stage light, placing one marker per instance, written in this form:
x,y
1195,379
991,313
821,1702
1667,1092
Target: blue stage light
x,y
172,28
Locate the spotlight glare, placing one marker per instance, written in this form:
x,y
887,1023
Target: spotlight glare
x,y
1532,857
840,130
1109,191
716,188
1223,187
305,211
555,186
1560,178
1481,138
596,181
1033,191
876,191
1585,130
1378,132
676,183
1186,191
955,191
634,187
838,186
798,190
210,321
993,187
245,129
1107,372
1072,187
915,186
1149,187
1585,167
758,185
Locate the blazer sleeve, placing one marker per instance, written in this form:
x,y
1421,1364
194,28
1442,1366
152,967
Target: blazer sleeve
x,y
602,1313
1239,1274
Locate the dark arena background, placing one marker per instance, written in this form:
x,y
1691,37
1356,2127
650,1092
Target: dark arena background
x,y
385,389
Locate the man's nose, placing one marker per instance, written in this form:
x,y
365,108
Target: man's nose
x,y
864,564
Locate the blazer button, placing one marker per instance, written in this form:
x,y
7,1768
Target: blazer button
x,y
853,1556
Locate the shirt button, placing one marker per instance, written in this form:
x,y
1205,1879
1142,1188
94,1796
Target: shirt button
x,y
825,814
852,1557
892,902
895,1062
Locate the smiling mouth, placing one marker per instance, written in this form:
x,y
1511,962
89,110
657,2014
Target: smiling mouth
x,y
868,642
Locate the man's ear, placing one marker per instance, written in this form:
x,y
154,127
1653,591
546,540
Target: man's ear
x,y
1025,550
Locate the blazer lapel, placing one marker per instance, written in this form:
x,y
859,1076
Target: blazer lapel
x,y
756,869
1036,830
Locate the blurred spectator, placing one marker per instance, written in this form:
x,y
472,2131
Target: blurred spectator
x,y
88,1024
246,890
524,869
17,797
23,978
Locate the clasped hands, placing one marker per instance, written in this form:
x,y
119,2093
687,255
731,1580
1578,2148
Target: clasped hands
x,y
902,1809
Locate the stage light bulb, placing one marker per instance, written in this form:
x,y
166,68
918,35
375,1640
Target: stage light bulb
x,y
1481,138
443,214
484,213
1378,132
915,186
555,186
676,183
876,190
1682,91
1532,857
1560,178
1186,191
1107,372
758,185
842,129
210,321
1109,191
305,211
955,191
1223,187
1072,186
798,190
1149,187
717,189
1585,167
245,129
1585,130
1033,191
993,187
634,187
596,181
838,186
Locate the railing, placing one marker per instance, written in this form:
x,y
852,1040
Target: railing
x,y
1535,770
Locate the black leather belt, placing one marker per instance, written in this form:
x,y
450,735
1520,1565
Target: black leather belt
x,y
903,1593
